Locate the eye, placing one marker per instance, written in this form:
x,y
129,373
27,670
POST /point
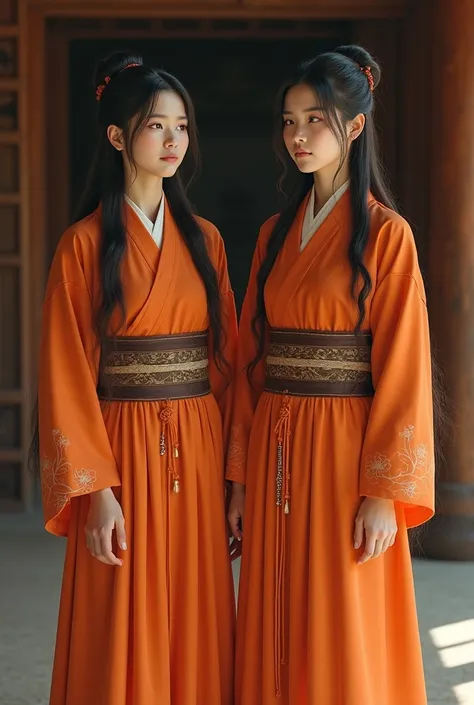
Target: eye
x,y
287,122
183,128
314,118
156,125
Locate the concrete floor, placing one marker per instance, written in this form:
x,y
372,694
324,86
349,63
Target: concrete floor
x,y
30,574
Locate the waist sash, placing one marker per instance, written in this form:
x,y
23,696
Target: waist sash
x,y
156,368
319,364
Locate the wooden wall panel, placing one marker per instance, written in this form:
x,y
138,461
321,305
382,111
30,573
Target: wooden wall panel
x,y
10,426
8,12
15,350
9,169
8,113
10,483
416,120
348,9
9,235
10,368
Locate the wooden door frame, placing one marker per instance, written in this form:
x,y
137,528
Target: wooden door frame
x,y
33,16
57,109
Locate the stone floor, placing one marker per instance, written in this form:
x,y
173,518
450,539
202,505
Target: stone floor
x,y
30,573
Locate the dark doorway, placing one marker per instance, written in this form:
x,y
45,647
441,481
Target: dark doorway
x,y
233,84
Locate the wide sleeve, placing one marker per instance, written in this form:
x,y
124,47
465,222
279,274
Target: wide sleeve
x,y
221,372
398,451
75,453
248,389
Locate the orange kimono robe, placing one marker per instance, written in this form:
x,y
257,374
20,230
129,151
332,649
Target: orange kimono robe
x,y
160,628
347,634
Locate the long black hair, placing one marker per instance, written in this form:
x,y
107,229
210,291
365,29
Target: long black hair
x,y
343,91
127,90
127,101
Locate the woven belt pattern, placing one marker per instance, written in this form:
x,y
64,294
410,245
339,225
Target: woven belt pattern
x,y
156,368
307,363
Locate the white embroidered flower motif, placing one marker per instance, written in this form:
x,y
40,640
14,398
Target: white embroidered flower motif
x,y
410,473
59,439
377,465
85,479
59,482
421,453
410,489
408,432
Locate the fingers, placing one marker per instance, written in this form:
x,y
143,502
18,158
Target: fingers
x,y
358,532
107,556
99,542
235,549
234,522
378,548
376,545
120,533
370,542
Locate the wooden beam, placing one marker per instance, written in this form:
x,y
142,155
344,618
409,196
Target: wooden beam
x,y
56,106
7,137
10,260
450,535
327,9
9,30
11,396
29,51
382,40
347,9
10,455
415,122
9,84
9,199
254,32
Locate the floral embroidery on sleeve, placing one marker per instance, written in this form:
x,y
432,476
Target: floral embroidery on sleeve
x,y
58,483
235,454
407,476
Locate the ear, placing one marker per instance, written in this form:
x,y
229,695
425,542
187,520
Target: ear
x,y
115,136
356,127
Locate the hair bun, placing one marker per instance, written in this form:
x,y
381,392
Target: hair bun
x,y
113,64
362,57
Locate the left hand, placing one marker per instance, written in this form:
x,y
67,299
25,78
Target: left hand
x,y
376,518
235,517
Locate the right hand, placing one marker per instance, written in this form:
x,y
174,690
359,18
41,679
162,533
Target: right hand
x,y
105,515
235,517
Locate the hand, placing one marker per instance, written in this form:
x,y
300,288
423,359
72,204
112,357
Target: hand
x,y
105,514
376,517
235,517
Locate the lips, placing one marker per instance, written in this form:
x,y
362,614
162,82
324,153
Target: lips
x,y
171,159
300,154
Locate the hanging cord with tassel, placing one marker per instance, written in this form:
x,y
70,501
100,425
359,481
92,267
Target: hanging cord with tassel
x,y
282,430
169,443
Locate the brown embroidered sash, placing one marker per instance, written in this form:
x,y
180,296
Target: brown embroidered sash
x,y
317,363
156,368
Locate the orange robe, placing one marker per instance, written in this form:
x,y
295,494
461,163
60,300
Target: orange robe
x,y
160,628
347,634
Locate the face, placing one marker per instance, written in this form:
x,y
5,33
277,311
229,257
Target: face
x,y
160,147
306,133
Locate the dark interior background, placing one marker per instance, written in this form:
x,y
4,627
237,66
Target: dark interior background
x,y
233,84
